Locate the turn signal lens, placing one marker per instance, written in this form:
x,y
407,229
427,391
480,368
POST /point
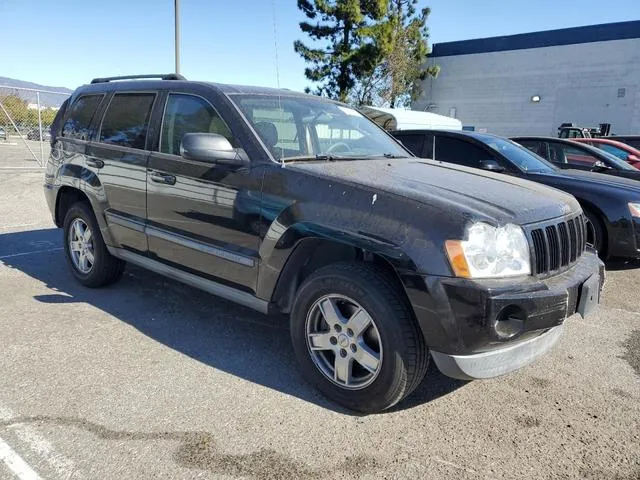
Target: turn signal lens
x,y
457,259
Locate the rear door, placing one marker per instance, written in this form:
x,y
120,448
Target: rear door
x,y
120,154
202,217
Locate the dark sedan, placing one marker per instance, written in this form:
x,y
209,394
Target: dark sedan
x,y
567,154
611,204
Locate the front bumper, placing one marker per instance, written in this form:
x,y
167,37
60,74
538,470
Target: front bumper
x,y
463,320
497,362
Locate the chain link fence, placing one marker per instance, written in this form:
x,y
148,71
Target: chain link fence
x,y
26,116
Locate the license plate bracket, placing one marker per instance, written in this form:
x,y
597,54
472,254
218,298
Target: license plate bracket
x,y
589,296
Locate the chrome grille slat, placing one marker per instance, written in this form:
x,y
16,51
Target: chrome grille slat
x,y
557,245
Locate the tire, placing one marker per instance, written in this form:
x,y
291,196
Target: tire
x,y
596,233
105,268
392,337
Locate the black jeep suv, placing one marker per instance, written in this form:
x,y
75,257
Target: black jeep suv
x,y
289,203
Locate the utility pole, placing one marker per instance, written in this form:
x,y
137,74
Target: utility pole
x,y
177,32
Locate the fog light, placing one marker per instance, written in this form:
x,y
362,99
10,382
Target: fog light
x,y
509,322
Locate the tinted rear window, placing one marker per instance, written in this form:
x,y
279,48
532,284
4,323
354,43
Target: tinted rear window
x,y
80,115
127,120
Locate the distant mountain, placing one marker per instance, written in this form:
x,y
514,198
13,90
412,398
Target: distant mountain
x,y
10,86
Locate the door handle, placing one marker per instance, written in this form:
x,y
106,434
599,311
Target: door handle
x,y
93,162
162,178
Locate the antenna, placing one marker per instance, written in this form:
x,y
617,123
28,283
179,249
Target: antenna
x,y
275,41
275,44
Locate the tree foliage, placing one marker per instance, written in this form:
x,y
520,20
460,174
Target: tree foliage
x,y
343,49
366,52
401,41
22,115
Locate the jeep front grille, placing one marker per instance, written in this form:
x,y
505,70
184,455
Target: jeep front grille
x,y
557,246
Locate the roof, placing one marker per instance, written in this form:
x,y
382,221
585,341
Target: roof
x,y
399,119
550,38
454,133
142,84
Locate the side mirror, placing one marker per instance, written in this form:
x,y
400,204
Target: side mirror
x,y
492,166
600,166
633,158
212,148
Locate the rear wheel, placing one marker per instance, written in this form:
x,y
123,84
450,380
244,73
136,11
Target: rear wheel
x,y
87,255
355,337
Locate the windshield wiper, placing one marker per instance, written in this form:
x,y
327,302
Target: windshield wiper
x,y
392,155
318,158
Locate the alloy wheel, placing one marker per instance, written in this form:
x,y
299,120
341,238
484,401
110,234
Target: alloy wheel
x,y
81,246
343,341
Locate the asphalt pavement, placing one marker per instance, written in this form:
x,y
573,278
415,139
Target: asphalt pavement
x,y
149,378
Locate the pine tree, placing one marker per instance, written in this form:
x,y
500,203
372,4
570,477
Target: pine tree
x,y
343,51
401,43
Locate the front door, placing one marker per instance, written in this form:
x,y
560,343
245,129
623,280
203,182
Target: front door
x,y
202,217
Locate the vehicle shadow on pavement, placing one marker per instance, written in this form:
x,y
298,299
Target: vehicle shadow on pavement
x,y
619,264
208,329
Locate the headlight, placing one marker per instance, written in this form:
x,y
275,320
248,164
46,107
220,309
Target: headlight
x,y
490,252
635,209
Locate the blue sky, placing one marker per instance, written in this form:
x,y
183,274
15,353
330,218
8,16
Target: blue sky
x,y
66,43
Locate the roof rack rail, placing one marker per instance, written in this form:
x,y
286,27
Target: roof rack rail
x,y
161,76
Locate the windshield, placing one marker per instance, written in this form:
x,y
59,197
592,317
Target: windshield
x,y
299,128
521,157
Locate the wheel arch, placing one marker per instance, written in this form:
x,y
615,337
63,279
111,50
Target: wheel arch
x,y
66,197
592,208
313,253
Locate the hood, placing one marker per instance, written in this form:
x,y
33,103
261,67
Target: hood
x,y
593,178
479,194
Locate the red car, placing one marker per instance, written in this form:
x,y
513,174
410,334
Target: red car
x,y
619,149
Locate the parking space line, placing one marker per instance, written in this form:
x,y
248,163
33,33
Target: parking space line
x,y
31,253
22,225
63,466
16,464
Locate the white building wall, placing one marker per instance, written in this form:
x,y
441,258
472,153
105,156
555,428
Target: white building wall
x,y
577,83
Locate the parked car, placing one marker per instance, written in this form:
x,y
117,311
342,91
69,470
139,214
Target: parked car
x,y
632,140
295,204
34,134
610,203
619,149
3,133
568,154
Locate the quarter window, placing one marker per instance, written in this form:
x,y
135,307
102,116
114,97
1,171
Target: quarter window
x,y
413,143
189,114
80,115
536,146
127,120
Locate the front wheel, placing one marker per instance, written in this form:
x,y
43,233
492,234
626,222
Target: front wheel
x,y
355,337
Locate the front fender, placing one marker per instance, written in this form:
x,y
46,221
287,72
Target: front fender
x,y
394,239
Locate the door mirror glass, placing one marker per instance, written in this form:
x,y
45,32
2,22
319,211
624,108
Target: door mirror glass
x,y
213,148
492,166
600,166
